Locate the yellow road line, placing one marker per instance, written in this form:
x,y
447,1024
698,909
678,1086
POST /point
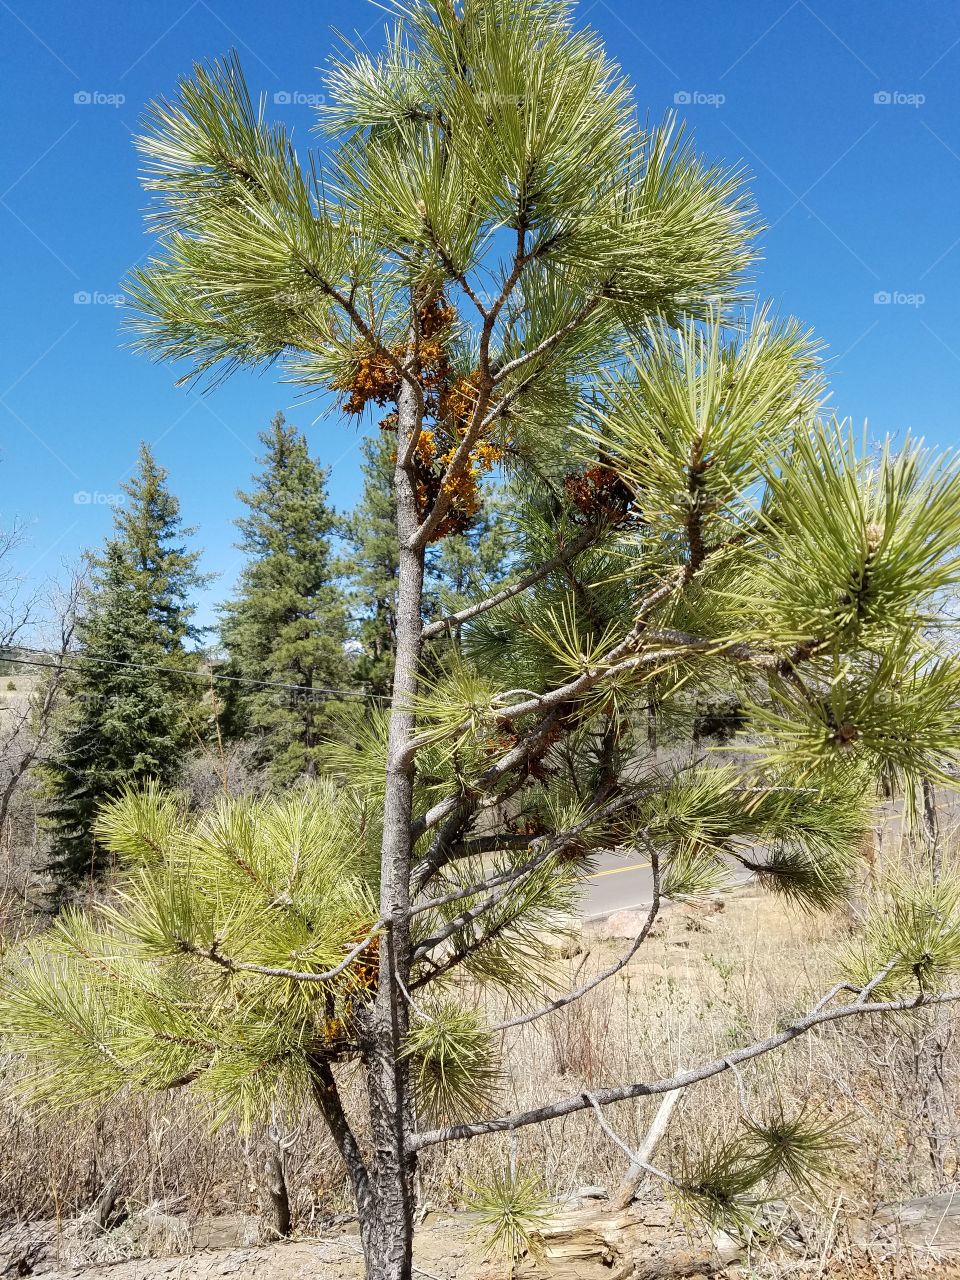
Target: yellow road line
x,y
617,871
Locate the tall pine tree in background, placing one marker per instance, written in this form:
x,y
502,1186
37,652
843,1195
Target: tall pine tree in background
x,y
128,716
289,623
373,566
457,570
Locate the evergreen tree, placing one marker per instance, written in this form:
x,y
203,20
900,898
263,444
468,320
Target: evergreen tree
x,y
519,270
373,567
456,570
289,623
127,715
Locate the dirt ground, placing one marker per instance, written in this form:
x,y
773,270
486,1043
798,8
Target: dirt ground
x,y
583,1244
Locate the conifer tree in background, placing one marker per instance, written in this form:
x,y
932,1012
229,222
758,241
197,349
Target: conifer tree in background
x,y
127,715
527,277
372,567
457,569
288,623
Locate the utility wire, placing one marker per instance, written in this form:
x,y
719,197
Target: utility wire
x,y
8,655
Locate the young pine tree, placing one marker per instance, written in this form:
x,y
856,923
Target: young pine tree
x,y
505,259
128,716
288,623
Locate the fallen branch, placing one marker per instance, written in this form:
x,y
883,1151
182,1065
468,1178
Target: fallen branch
x,y
683,1080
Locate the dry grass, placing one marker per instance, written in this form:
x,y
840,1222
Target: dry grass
x,y
692,993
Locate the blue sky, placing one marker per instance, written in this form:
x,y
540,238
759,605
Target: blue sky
x,y
847,115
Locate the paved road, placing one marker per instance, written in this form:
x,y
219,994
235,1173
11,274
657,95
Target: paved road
x,y
622,882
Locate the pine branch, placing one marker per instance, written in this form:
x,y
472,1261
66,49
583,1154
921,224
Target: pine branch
x,y
562,1001
216,956
566,553
553,340
550,845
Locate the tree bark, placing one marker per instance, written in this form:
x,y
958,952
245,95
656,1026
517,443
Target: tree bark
x,y
388,1242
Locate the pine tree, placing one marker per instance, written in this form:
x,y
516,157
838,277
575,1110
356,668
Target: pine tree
x,y
288,623
524,277
457,569
127,715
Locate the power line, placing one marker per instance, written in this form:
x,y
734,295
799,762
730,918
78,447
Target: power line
x,y
11,655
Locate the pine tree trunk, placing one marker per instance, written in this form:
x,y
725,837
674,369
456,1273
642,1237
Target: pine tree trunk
x,y
388,1240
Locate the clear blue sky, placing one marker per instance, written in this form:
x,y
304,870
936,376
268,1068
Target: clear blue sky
x,y
860,197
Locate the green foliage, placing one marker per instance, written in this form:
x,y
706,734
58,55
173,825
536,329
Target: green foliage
x,y
155,990
511,1208
142,826
801,841
288,623
511,943
894,715
697,422
124,720
725,1181
863,545
911,938
456,1064
803,1148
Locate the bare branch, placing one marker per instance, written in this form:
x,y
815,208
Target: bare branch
x,y
578,993
684,1079
565,554
635,1157
641,1164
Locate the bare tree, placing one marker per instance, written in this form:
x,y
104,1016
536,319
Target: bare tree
x,y
27,723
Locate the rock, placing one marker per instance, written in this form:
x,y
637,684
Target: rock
x,y
691,915
591,1193
928,1223
622,924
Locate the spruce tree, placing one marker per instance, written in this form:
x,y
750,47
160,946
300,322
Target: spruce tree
x,y
289,623
456,570
372,567
128,716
